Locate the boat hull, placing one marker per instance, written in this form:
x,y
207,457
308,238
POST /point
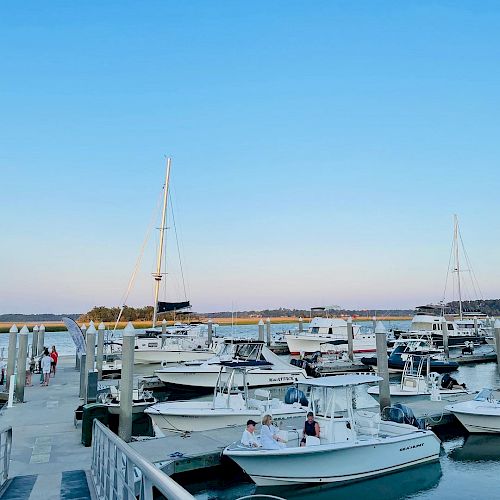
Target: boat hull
x,y
185,417
298,344
205,377
477,418
336,463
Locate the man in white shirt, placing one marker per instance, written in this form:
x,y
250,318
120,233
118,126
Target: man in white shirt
x,y
249,438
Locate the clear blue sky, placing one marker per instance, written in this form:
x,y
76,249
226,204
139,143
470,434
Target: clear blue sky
x,y
319,149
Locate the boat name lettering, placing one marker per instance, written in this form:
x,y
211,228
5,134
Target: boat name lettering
x,y
411,447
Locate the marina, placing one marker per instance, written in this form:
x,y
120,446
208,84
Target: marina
x,y
52,452
250,251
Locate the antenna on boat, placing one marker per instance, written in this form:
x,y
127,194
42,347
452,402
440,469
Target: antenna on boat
x,y
157,276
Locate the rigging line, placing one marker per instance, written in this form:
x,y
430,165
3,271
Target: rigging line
x,y
178,249
474,280
448,272
137,264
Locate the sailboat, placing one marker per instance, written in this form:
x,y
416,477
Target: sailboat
x,y
464,327
180,342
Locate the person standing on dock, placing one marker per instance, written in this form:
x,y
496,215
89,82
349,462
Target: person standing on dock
x,y
45,365
54,355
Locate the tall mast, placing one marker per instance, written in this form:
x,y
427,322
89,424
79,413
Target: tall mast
x,y
157,276
457,264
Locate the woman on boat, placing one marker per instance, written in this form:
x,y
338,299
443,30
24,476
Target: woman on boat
x,y
311,428
269,438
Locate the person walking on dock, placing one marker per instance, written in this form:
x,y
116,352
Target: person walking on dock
x,y
45,365
54,355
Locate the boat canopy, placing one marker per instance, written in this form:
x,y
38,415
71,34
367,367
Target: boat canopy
x,y
341,380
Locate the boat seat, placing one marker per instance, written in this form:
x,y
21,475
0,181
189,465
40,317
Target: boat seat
x,y
367,423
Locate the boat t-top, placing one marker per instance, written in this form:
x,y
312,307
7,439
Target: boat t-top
x,y
354,443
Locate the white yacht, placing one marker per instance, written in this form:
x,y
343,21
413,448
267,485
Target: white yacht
x,y
481,415
329,335
228,408
429,319
354,443
267,368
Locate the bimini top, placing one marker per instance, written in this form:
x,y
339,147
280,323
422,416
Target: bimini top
x,y
341,380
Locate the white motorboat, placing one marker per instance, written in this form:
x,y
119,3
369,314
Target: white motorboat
x,y
329,335
481,415
141,399
354,443
228,408
415,384
183,345
267,368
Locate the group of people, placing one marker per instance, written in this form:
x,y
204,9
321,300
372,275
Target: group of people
x,y
48,366
269,433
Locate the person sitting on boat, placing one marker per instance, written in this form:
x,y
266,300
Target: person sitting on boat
x,y
269,438
249,438
311,428
448,382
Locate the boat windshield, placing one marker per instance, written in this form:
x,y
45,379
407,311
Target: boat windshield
x,y
248,352
485,394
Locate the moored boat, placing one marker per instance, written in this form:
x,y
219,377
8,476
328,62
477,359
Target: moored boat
x,y
267,368
480,415
229,407
354,443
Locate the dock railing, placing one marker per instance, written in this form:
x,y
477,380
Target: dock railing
x,y
5,449
119,472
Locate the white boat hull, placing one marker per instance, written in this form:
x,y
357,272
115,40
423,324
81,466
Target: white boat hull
x,y
308,343
478,417
206,376
332,463
201,416
160,356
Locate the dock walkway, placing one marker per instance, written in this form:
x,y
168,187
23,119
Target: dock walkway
x,y
48,461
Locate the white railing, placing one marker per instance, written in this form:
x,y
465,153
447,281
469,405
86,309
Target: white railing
x,y
5,448
119,472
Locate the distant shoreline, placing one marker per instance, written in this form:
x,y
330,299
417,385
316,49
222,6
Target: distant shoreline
x,y
57,326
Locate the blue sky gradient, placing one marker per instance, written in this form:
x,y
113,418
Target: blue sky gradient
x,y
320,150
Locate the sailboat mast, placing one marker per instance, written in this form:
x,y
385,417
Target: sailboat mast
x,y
157,276
457,265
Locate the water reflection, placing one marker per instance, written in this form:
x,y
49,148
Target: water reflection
x,y
477,448
394,486
389,487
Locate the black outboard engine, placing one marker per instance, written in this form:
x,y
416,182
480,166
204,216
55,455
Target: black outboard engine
x,y
294,395
403,415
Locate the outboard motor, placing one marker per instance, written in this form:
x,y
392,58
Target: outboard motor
x,y
402,414
294,395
